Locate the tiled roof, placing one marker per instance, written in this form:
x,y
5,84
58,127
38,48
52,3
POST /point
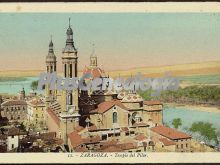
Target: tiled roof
x,y
127,146
155,102
92,128
81,149
95,72
15,131
108,143
3,137
53,116
13,102
75,139
105,106
36,102
170,133
111,149
78,128
132,98
47,136
140,124
140,137
124,129
167,142
93,139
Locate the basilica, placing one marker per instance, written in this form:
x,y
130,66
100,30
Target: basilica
x,y
104,121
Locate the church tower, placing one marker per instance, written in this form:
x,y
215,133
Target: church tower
x,y
70,115
51,64
93,59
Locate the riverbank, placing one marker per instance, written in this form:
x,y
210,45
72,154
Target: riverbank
x,y
204,108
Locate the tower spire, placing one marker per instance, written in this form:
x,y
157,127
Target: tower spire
x,y
51,46
69,22
93,58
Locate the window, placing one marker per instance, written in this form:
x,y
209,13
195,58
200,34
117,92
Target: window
x,y
186,145
181,145
176,146
104,137
71,70
36,115
65,70
12,146
12,136
115,117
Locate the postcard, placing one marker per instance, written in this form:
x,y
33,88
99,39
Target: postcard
x,y
109,82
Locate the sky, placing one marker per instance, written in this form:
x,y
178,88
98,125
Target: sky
x,y
122,40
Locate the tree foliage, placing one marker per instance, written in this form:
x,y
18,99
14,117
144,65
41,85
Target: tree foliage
x,y
206,130
176,123
34,85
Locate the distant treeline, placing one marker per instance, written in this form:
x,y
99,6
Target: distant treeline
x,y
188,95
3,79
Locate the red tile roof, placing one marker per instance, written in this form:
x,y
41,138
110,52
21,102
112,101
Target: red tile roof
x,y
109,143
78,128
15,131
170,133
81,149
36,102
13,102
167,142
95,72
140,124
105,106
53,116
124,129
111,149
140,137
75,139
47,136
155,102
92,128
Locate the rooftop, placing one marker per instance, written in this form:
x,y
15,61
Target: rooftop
x,y
170,133
152,102
13,102
105,106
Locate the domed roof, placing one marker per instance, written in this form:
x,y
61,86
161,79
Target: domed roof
x,y
121,95
51,58
132,97
95,72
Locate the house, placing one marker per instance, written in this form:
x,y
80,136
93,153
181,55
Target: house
x,y
169,136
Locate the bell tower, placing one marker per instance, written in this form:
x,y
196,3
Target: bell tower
x,y
51,64
70,113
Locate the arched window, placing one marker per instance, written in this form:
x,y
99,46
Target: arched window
x,y
71,70
115,117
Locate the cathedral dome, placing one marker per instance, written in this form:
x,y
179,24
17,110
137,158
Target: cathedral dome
x,y
132,97
121,95
95,72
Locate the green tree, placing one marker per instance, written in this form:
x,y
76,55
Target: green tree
x,y
34,85
177,123
206,130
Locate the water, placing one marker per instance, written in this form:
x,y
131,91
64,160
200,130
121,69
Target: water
x,y
13,87
190,116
